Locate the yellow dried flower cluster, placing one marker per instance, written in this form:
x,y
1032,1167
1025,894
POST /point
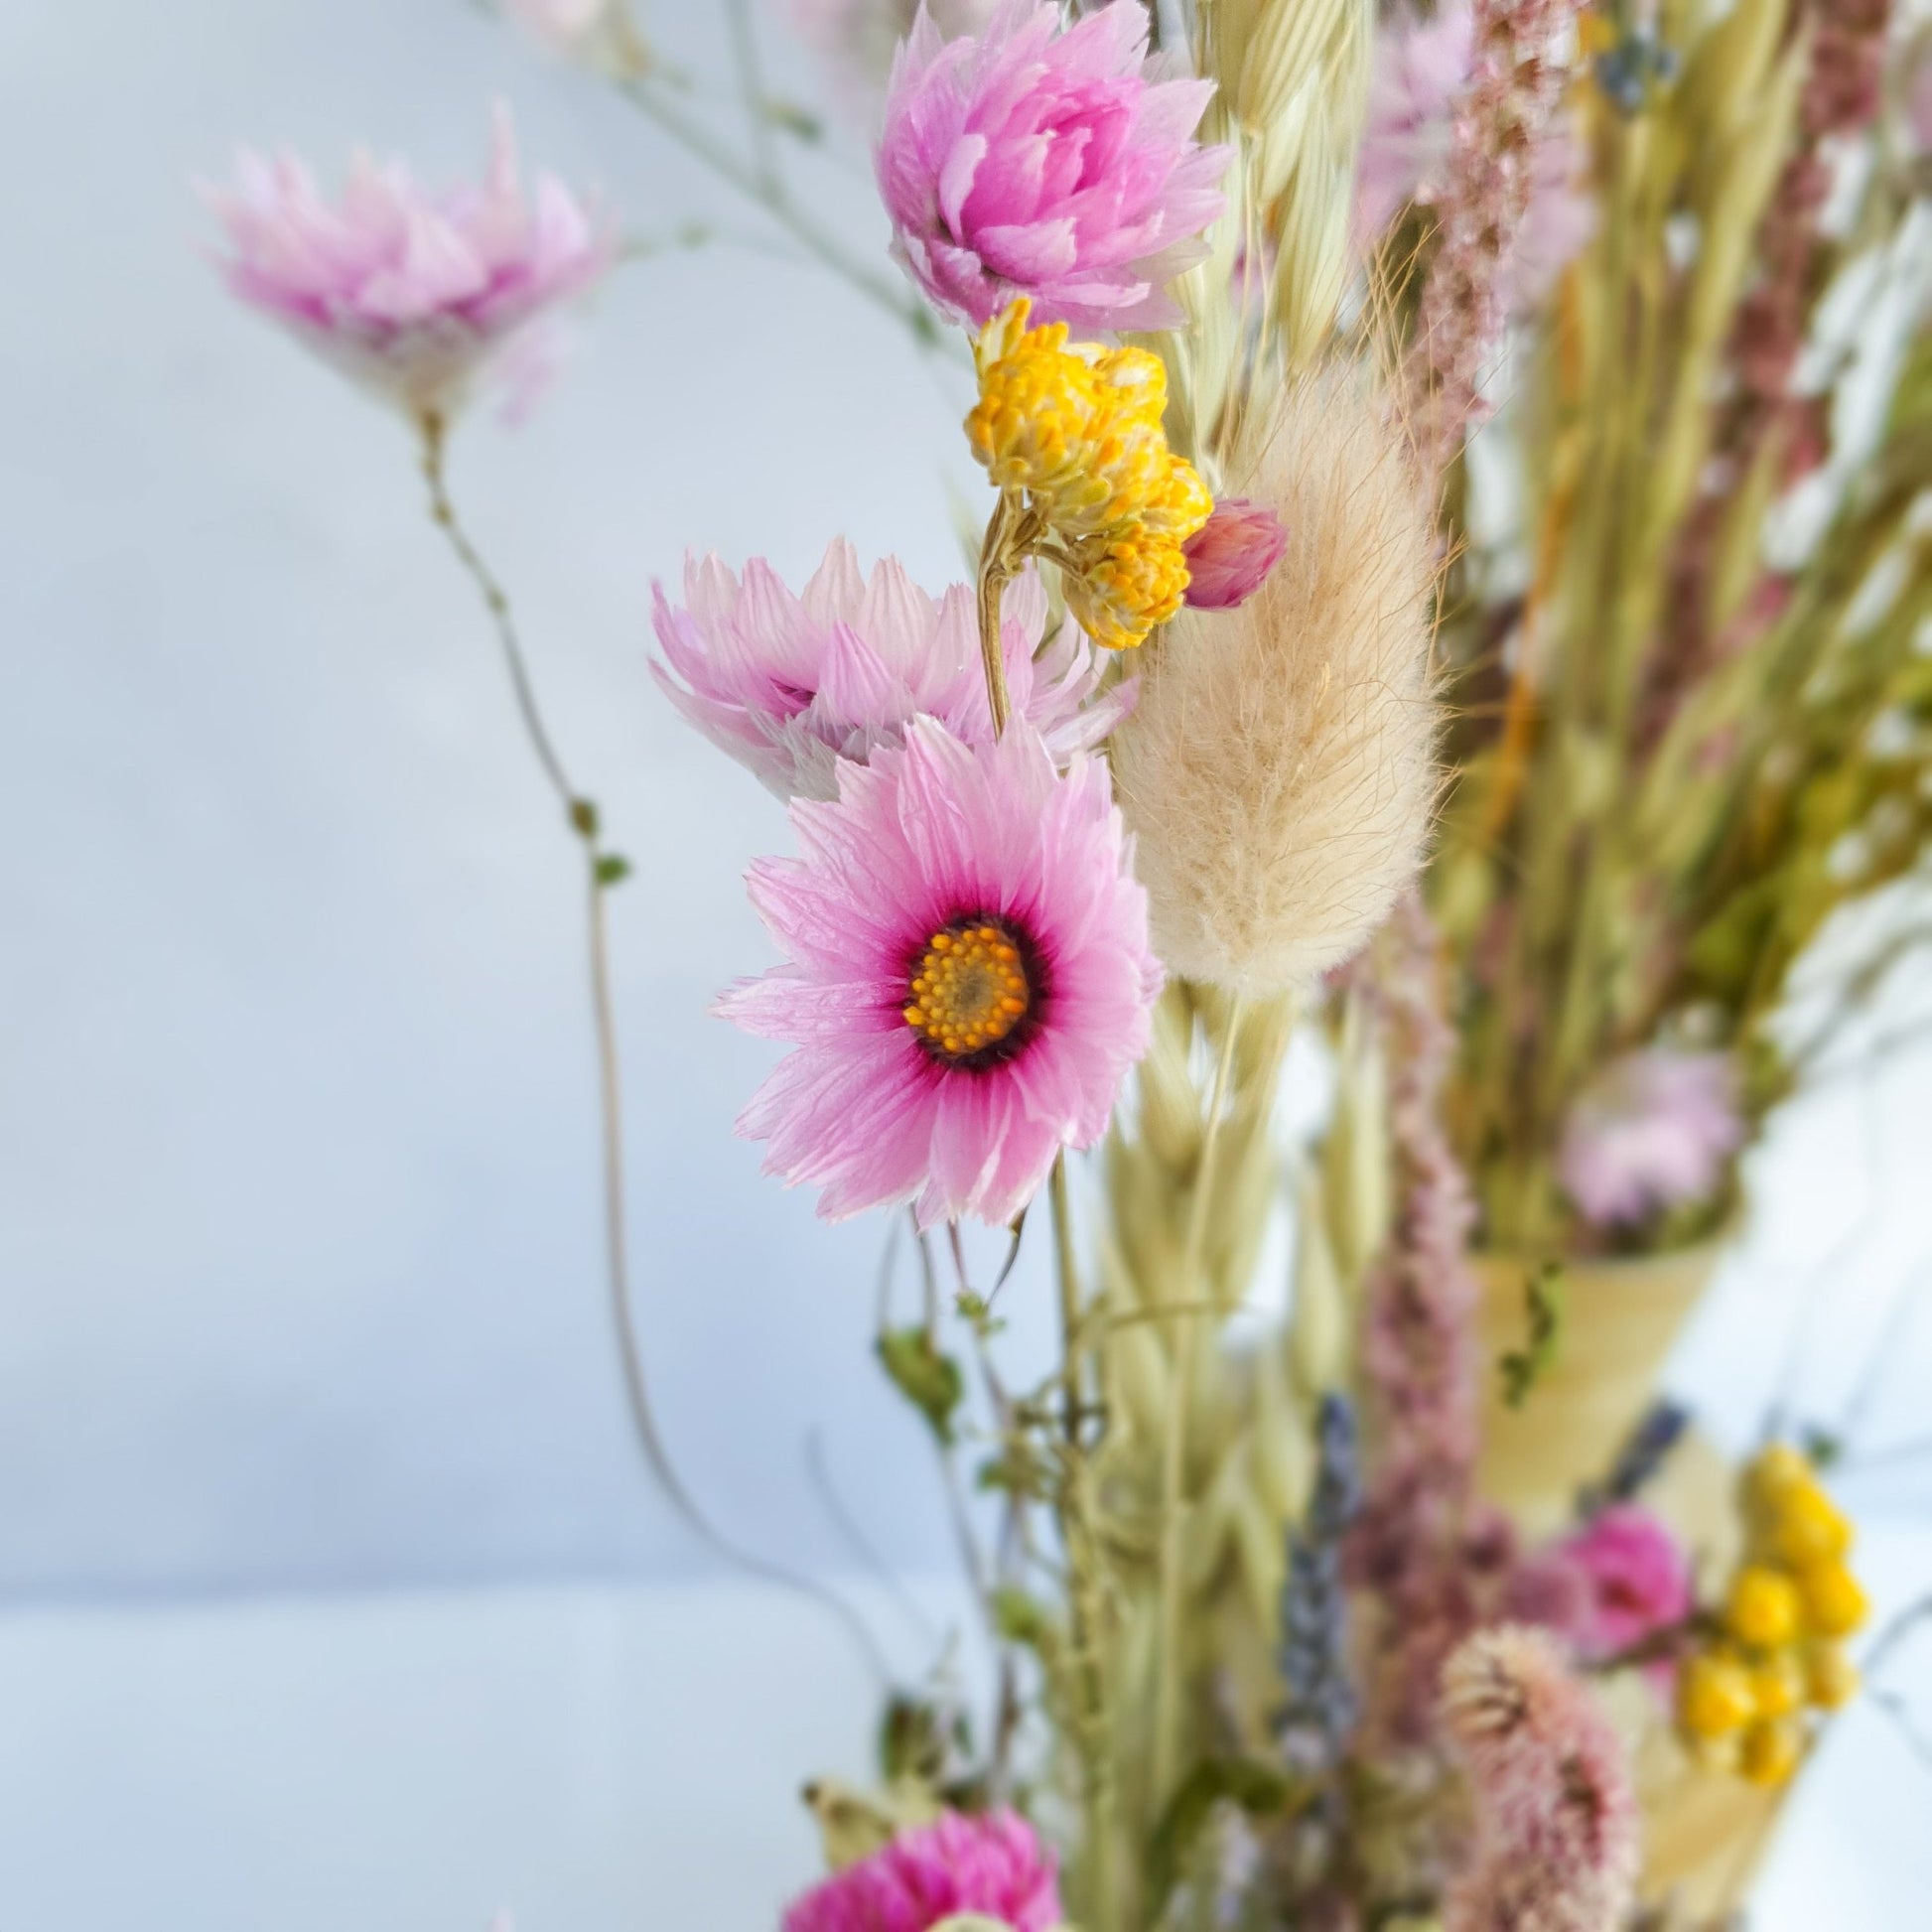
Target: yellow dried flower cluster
x,y
1793,1600
1076,429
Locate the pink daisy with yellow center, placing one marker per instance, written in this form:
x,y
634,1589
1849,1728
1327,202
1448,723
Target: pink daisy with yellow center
x,y
968,978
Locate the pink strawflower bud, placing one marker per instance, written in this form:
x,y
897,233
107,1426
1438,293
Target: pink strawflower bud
x,y
1039,162
1653,1132
789,684
1230,555
968,978
1556,1839
993,1865
424,296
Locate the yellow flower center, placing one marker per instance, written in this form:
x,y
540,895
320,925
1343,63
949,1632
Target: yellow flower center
x,y
970,990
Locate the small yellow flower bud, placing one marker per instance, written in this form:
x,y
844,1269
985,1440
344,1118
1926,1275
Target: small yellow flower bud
x,y
1771,1751
1807,1527
1715,1695
1763,1608
1831,1677
1834,1603
1771,1475
1779,1684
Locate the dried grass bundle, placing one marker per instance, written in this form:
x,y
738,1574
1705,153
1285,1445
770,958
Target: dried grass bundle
x,y
1278,771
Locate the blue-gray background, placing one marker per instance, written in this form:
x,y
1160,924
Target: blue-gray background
x,y
300,1279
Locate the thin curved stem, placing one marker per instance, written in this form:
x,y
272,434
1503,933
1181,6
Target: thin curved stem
x,y
603,870
443,513
769,192
1097,1780
1173,1458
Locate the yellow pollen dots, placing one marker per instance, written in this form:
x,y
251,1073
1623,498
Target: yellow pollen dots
x,y
970,990
1076,431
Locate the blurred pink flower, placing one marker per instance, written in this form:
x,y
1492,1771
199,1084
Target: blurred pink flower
x,y
855,41
1621,1578
991,1866
560,24
1638,1574
421,295
1653,1131
788,685
1421,66
1043,163
1556,1841
1230,555
968,978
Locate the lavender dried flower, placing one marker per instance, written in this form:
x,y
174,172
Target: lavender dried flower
x,y
1321,1706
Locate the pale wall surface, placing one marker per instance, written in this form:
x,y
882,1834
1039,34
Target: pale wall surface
x,y
299,1278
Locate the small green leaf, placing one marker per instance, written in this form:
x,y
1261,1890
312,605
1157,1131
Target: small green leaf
x,y
611,869
1522,1368
1017,1617
927,1379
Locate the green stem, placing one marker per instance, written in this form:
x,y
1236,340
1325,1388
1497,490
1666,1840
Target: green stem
x,y
603,869
769,192
1173,1457
1086,1614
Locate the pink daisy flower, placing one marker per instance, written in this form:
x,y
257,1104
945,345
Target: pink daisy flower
x,y
968,978
420,295
1036,162
992,1867
1654,1131
788,685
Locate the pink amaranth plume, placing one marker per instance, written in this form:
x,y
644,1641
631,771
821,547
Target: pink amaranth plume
x,y
1653,1132
788,685
1556,1845
968,978
991,1866
1502,126
1435,1557
1036,162
1421,65
1230,555
420,295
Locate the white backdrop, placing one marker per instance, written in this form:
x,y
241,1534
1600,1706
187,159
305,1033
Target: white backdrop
x,y
300,1285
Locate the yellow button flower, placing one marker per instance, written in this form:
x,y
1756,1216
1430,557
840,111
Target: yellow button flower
x,y
1779,1684
1077,428
1762,1609
1123,586
1835,1604
1715,1695
1806,1526
1831,1677
1771,1750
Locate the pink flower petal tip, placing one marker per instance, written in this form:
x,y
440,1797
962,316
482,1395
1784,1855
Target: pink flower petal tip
x,y
991,1866
790,684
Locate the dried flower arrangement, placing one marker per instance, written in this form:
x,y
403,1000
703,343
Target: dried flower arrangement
x,y
1437,596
